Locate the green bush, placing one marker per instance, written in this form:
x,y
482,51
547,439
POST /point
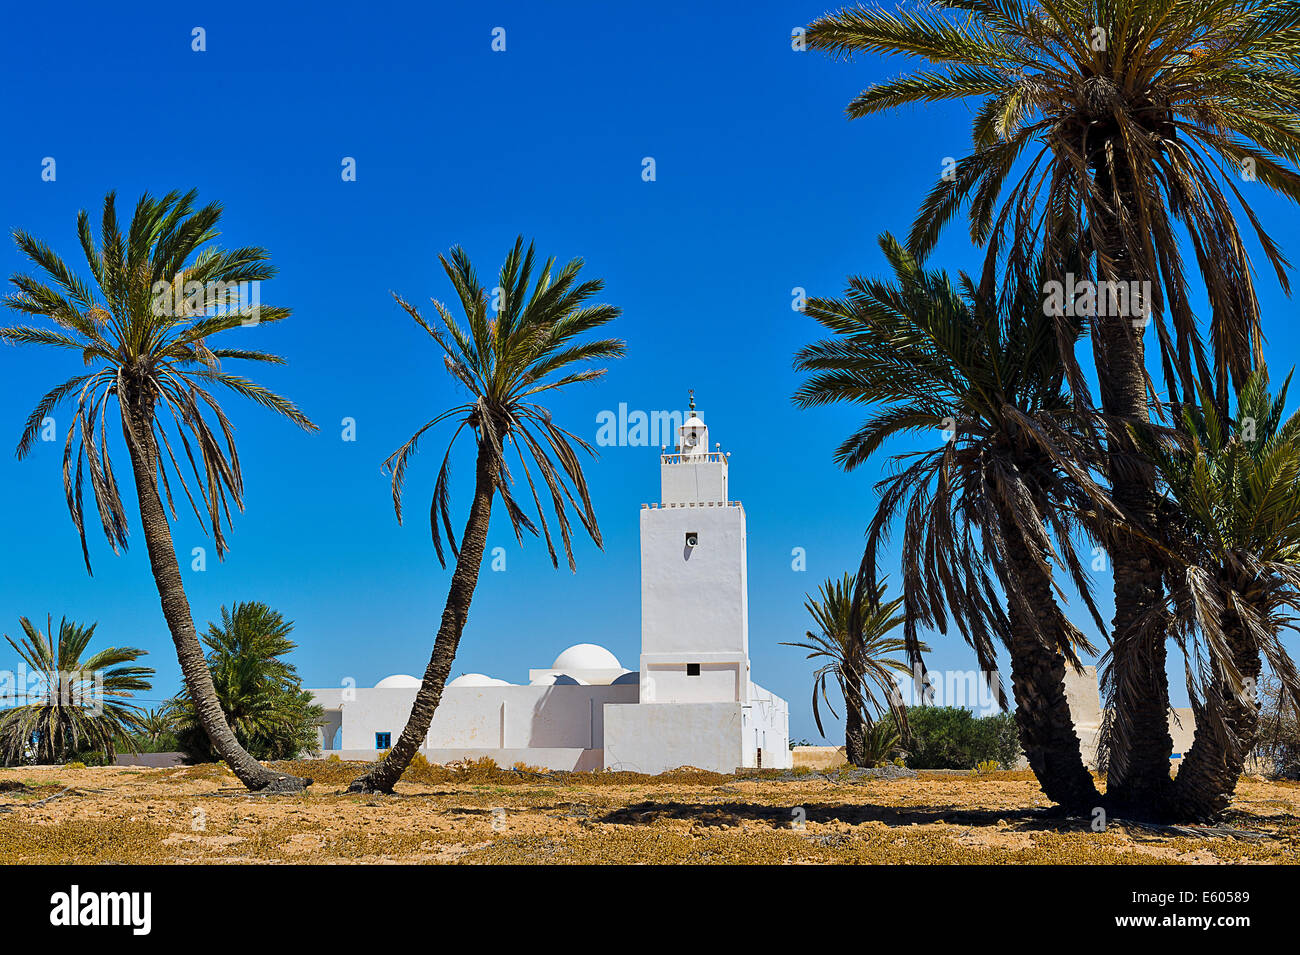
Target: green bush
x,y
949,737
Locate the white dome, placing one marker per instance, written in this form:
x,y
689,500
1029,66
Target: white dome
x,y
478,679
630,678
398,681
558,679
474,679
586,656
694,422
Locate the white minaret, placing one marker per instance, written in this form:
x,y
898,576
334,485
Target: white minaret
x,y
694,603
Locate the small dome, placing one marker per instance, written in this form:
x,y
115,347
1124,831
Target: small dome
x,y
398,681
694,422
586,656
558,679
475,679
630,678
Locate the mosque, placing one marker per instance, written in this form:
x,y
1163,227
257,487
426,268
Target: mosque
x,y
690,703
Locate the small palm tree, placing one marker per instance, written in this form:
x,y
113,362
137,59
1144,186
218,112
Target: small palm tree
x,y
1104,133
852,637
1232,513
156,724
76,706
144,331
504,357
999,488
272,716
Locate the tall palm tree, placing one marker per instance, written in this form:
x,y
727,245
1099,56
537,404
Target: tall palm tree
x,y
272,715
1106,131
999,487
1232,507
78,705
504,357
852,637
144,331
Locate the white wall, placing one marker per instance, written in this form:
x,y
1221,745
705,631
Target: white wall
x,y
655,739
694,601
686,478
495,717
669,682
766,726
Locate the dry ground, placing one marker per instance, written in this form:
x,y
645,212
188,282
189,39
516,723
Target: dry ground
x,y
481,814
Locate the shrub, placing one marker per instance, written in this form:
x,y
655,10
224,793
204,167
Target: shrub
x,y
880,740
950,737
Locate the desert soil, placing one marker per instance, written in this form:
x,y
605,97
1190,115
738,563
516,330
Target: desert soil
x,y
484,815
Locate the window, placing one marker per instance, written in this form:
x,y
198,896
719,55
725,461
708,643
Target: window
x,y
383,741
692,669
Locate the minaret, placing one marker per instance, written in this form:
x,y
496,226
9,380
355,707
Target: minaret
x,y
694,603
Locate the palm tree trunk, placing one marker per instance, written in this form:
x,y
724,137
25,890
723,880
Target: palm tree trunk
x,y
383,776
1140,745
855,744
176,608
1043,714
1208,776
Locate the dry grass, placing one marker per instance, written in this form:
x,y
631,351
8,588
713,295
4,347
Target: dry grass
x,y
480,813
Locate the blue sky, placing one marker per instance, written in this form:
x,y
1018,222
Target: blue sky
x,y
761,185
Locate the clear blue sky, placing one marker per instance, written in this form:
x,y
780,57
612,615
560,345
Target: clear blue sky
x,y
762,185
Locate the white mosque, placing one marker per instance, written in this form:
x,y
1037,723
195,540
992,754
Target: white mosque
x,y
691,703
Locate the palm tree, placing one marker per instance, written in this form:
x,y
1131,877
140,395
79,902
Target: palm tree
x,y
272,716
1115,122
156,725
1000,490
852,636
504,358
76,706
1232,509
144,331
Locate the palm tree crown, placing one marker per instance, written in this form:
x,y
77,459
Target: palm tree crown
x,y
1008,474
144,329
1104,126
518,342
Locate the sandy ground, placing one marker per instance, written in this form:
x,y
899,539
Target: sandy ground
x,y
485,815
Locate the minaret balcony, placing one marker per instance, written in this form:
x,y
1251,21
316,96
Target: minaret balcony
x,y
704,457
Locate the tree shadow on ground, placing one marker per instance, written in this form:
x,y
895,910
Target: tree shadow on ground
x,y
783,817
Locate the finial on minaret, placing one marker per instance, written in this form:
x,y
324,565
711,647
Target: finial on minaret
x,y
692,401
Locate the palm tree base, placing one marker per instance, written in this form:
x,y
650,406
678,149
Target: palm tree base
x,y
368,787
282,784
